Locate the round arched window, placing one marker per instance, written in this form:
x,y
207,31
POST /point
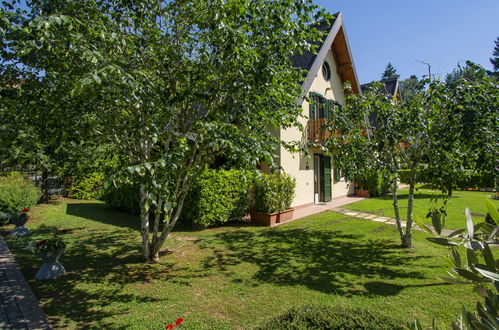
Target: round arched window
x,y
326,71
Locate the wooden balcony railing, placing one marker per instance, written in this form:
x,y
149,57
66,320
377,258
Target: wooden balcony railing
x,y
315,131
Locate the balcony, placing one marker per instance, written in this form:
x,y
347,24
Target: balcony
x,y
315,131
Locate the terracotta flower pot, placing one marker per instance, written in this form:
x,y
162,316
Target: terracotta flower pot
x,y
362,193
272,219
51,267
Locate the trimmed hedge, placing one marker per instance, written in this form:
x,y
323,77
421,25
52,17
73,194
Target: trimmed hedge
x,y
89,186
16,193
273,193
377,182
484,181
330,317
217,197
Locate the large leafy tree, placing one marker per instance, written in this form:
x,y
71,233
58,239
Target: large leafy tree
x,y
410,87
172,84
465,130
390,72
442,130
375,131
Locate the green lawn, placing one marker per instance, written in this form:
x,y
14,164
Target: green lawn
x,y
232,277
475,201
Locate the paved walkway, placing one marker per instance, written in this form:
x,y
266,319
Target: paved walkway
x,y
377,218
336,206
302,212
19,307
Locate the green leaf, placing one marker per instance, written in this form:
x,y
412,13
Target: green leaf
x,y
467,274
471,258
421,224
455,257
97,79
435,220
442,241
456,233
494,213
474,245
489,258
491,275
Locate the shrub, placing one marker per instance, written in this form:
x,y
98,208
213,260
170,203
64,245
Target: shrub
x,y
216,197
377,182
124,197
273,193
330,317
16,193
88,187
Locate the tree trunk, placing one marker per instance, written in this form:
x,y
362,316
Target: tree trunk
x,y
449,189
396,206
407,241
45,186
144,222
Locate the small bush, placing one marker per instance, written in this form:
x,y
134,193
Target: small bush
x,y
124,197
16,193
273,193
378,183
330,317
216,197
88,187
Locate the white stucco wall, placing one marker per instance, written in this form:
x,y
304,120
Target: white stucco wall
x,y
300,167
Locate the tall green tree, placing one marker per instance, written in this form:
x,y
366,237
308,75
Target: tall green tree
x,y
172,84
442,130
374,131
390,72
465,130
410,87
495,56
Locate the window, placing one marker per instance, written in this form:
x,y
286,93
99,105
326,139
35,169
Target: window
x,y
326,71
320,106
338,175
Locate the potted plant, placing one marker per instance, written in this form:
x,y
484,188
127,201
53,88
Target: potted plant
x,y
50,250
361,185
272,198
19,221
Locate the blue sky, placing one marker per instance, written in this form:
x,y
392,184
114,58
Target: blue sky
x,y
440,32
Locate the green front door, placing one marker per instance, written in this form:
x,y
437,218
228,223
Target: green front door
x,y
325,173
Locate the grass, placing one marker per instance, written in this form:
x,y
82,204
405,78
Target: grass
x,y
475,201
233,277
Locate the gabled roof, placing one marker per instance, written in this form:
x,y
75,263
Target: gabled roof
x,y
391,87
335,40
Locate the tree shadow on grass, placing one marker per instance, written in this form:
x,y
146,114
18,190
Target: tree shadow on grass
x,y
378,288
417,195
103,213
329,261
99,265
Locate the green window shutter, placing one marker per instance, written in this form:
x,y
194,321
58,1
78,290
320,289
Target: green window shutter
x,y
313,106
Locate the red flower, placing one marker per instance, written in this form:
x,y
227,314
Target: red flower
x,y
169,326
38,244
24,210
179,321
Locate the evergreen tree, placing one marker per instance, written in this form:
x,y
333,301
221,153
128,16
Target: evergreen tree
x,y
390,72
410,87
495,59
